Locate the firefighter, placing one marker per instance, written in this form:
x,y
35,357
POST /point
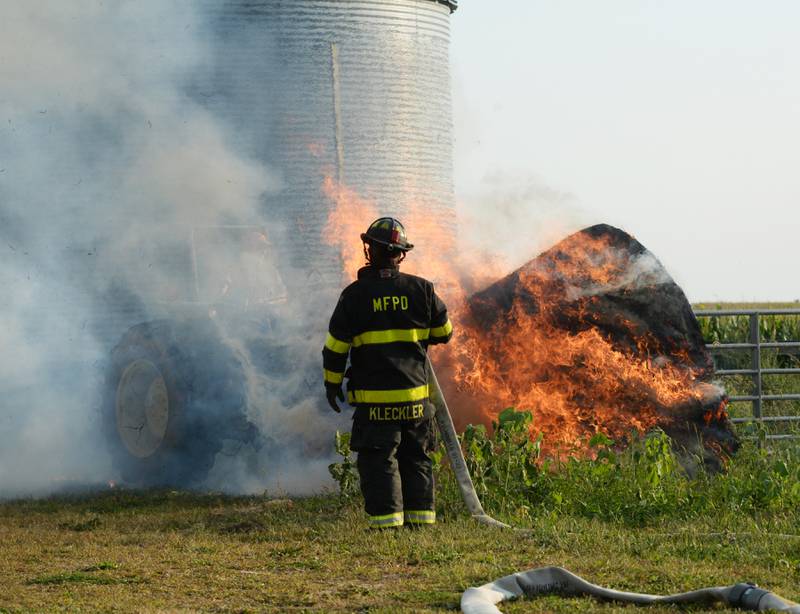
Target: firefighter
x,y
385,321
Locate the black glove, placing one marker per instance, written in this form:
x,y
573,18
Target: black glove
x,y
333,392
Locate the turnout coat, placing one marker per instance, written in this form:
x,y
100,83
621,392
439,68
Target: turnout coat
x,y
385,321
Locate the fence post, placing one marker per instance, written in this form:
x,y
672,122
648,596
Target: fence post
x,y
755,339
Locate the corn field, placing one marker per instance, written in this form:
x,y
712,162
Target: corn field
x,y
772,328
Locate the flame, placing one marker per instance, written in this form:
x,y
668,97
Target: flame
x,y
716,414
576,382
346,222
351,213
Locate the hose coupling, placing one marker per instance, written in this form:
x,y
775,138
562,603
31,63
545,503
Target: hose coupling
x,y
747,596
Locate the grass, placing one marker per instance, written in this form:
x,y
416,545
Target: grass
x,y
627,520
81,577
183,551
630,520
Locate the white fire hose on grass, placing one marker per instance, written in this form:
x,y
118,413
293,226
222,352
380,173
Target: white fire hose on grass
x,y
556,580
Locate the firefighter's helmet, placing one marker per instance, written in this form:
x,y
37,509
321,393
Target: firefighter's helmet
x,y
389,232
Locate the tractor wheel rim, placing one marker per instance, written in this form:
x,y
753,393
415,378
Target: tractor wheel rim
x,y
142,408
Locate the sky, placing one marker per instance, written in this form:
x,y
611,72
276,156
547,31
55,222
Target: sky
x,y
677,121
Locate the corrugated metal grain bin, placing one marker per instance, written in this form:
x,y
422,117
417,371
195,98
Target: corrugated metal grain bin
x,y
354,90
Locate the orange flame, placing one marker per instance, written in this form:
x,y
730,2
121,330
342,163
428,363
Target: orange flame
x,y
576,383
346,222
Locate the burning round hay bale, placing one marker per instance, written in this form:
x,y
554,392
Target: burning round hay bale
x,y
592,336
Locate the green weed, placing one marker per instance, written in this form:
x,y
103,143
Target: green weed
x,y
504,466
639,485
344,472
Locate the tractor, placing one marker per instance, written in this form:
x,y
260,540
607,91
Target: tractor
x,y
176,385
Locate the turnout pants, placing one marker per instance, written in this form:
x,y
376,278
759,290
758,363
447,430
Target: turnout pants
x,y
395,470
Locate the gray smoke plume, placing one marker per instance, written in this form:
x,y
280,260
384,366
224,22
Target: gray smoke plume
x,y
112,182
506,219
511,218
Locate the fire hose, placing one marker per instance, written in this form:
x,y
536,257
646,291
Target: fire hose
x,y
444,421
556,580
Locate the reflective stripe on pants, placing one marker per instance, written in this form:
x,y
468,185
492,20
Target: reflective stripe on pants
x,y
387,520
420,516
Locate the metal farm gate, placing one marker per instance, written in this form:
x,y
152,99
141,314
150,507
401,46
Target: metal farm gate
x,y
760,367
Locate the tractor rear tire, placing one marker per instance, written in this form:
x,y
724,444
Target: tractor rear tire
x,y
174,393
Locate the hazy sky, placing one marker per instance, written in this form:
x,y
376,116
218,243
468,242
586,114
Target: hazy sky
x,y
678,121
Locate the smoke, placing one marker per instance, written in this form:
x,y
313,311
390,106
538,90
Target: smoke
x,y
631,273
509,218
113,180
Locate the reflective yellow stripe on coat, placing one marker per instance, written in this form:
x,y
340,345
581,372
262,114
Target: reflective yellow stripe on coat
x,y
442,331
334,345
375,337
332,377
389,396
